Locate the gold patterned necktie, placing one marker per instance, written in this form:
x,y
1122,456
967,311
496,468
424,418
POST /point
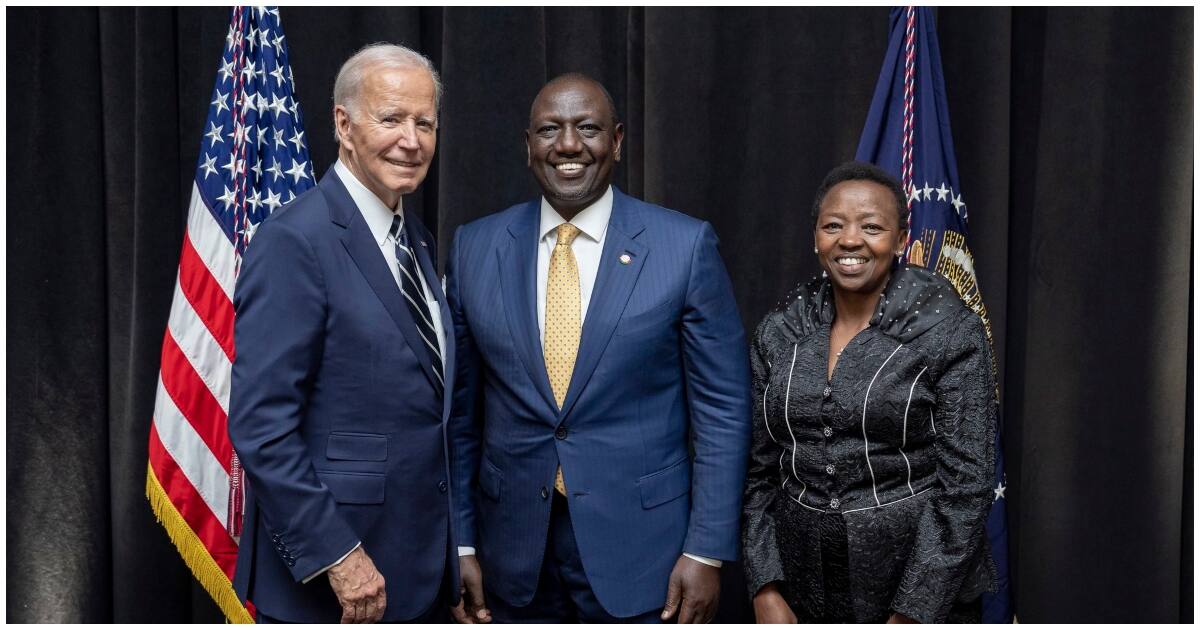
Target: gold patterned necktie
x,y
561,343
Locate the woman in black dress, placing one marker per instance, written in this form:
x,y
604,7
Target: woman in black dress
x,y
875,406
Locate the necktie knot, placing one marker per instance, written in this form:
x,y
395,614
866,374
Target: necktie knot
x,y
397,227
567,234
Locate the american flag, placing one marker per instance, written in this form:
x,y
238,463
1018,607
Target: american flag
x,y
253,159
907,133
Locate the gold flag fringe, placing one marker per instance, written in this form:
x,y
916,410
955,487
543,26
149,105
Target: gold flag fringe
x,y
194,553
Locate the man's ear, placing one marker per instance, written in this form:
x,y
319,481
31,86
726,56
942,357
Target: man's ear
x,y
341,122
618,136
528,151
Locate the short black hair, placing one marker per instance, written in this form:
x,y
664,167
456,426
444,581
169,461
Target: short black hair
x,y
861,171
581,77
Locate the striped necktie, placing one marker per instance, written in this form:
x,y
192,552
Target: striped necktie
x,y
414,294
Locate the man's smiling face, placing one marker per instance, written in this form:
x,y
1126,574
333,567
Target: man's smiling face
x,y
573,141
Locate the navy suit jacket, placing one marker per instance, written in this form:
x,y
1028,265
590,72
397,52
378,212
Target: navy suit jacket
x,y
336,415
662,361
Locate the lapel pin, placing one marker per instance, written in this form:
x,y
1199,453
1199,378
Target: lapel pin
x,y
625,258
423,244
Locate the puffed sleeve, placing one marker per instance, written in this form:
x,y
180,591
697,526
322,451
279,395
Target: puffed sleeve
x,y
950,533
759,546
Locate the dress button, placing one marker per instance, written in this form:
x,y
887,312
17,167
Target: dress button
x,y
561,433
829,469
834,503
828,432
545,493
828,389
442,486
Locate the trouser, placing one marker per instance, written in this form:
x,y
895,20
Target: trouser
x,y
563,593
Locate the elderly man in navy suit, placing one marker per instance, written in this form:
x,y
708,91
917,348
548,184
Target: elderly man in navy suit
x,y
598,340
344,371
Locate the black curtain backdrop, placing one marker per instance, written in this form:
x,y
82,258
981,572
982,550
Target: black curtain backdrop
x,y
1073,129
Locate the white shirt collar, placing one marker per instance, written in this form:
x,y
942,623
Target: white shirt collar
x,y
377,215
592,221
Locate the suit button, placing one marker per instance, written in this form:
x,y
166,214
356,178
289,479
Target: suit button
x,y
442,486
561,433
545,493
828,432
829,469
834,504
827,391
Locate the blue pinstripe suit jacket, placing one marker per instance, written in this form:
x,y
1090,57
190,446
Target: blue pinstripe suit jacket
x,y
662,362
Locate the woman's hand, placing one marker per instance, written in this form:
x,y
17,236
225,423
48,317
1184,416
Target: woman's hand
x,y
770,607
898,618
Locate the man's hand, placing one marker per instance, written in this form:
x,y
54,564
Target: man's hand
x,y
770,607
899,618
359,588
692,591
471,608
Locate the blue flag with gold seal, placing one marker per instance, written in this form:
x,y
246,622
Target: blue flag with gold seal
x,y
907,133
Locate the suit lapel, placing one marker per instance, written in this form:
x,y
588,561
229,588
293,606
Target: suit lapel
x,y
614,283
518,273
361,245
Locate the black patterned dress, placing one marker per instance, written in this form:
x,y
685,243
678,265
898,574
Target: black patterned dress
x,y
867,493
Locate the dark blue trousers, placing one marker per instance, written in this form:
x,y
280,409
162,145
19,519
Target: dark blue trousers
x,y
563,594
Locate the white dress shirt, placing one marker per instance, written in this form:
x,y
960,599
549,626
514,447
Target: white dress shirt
x,y
379,221
592,222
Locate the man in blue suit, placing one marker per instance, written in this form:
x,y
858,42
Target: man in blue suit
x,y
598,340
343,376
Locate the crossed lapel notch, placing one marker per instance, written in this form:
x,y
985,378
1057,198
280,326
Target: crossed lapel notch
x,y
356,237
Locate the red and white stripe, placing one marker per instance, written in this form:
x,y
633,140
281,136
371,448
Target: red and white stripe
x,y
906,142
190,452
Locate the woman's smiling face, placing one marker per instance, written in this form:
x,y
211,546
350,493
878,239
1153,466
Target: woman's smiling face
x,y
858,234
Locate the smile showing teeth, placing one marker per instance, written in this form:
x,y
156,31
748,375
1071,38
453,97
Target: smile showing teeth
x,y
851,260
569,167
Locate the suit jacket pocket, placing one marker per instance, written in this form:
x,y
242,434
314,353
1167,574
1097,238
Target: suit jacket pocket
x,y
490,480
655,318
358,488
664,485
362,447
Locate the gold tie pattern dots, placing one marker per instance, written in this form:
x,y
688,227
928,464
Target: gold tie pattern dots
x,y
563,322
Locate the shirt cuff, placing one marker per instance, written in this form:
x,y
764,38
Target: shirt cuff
x,y
709,561
339,561
466,551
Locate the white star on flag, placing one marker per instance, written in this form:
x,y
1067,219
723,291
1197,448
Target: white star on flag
x,y
219,101
297,139
942,191
214,134
958,204
208,166
297,170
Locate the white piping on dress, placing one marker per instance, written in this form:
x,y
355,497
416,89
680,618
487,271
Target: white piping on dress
x,y
872,507
904,436
766,420
787,395
867,444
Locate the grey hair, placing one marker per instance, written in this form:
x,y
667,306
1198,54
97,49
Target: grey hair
x,y
348,86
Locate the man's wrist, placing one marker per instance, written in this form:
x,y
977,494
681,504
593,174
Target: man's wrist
x,y
339,561
466,551
701,559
